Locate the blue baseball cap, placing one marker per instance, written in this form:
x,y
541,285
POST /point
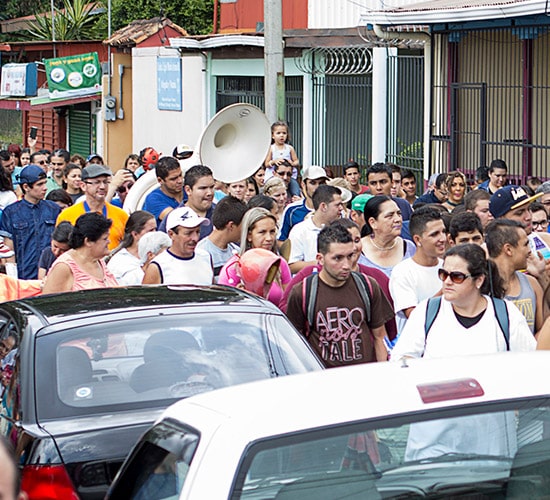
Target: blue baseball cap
x,y
509,198
31,174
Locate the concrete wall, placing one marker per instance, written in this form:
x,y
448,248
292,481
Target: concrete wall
x,y
161,129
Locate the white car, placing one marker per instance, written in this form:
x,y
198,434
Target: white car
x,y
475,427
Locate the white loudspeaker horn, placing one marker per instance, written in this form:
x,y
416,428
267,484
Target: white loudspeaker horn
x,y
234,144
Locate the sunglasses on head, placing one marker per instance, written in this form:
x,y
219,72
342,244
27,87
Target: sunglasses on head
x,y
456,276
123,189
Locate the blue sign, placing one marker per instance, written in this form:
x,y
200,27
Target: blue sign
x,y
169,83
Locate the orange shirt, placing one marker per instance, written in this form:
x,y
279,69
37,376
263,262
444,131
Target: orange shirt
x,y
117,215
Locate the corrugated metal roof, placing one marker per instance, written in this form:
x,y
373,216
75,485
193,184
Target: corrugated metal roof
x,y
444,11
138,31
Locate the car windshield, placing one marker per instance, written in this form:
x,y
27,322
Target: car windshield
x,y
142,361
490,452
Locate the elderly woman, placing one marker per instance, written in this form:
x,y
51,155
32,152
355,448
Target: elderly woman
x,y
383,246
83,267
258,230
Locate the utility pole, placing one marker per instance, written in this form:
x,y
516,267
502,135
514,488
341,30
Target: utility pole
x,y
274,79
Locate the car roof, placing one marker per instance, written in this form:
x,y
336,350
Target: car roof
x,y
60,307
360,392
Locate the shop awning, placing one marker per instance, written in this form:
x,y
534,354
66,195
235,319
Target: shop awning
x,y
44,102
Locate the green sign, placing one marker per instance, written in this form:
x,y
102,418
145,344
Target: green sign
x,y
73,76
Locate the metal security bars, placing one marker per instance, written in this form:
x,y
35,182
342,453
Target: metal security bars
x,y
490,99
405,104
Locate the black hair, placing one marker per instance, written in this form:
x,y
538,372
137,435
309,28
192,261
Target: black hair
x,y
91,226
60,195
379,168
62,153
479,265
5,155
372,209
5,180
406,174
136,222
351,164
195,173
498,164
284,163
165,165
464,222
131,156
261,200
35,154
332,234
324,194
280,124
252,181
228,209
440,180
421,217
482,174
62,232
536,206
499,232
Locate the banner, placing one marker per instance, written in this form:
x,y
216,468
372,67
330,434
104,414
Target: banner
x,y
169,83
73,76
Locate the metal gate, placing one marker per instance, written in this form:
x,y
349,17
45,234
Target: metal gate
x,y
490,99
250,89
405,111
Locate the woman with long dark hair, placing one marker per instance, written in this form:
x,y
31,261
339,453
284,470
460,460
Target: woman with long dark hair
x,y
124,261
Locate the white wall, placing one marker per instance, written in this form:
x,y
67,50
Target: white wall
x,y
345,13
163,130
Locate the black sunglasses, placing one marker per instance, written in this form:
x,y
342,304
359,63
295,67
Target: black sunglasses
x,y
456,276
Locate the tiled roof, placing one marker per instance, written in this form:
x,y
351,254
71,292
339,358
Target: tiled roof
x,y
138,31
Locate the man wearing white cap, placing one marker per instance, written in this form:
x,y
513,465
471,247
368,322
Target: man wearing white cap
x,y
297,211
182,263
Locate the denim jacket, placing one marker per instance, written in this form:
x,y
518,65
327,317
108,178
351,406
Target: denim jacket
x,y
30,228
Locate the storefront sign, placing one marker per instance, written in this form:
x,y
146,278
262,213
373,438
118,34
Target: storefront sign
x,y
73,75
19,80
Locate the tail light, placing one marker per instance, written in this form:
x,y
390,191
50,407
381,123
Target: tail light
x,y
47,482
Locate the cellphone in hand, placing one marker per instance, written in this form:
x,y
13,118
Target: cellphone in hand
x,y
33,132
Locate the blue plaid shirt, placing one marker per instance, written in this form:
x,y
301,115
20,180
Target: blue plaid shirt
x,y
30,228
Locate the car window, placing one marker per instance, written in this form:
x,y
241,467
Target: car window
x,y
140,361
158,466
485,453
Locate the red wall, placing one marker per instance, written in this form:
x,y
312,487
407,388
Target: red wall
x,y
244,14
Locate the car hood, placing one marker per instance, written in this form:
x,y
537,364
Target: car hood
x,y
99,437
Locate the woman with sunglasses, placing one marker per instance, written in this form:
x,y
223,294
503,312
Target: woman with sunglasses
x,y
466,322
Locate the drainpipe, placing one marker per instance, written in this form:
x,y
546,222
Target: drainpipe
x,y
427,39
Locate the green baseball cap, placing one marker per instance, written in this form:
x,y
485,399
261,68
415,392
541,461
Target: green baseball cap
x,y
358,203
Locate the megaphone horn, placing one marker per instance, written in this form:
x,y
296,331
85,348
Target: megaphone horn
x,y
235,142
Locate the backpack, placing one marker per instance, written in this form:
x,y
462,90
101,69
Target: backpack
x,y
501,313
309,295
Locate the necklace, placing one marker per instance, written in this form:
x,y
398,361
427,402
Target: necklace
x,y
382,249
453,204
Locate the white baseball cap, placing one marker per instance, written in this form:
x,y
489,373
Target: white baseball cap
x,y
184,217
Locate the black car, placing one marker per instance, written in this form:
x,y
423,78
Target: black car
x,y
90,371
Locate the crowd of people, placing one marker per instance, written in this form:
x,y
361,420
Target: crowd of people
x,y
365,267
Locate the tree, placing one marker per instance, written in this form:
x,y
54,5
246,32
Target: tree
x,y
77,20
195,16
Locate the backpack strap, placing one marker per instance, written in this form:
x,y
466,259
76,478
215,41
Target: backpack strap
x,y
501,312
364,286
309,295
432,310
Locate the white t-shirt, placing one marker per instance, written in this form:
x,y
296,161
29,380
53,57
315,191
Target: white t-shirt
x,y
447,337
303,241
411,283
126,268
7,198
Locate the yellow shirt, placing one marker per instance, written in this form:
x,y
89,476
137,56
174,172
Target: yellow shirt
x,y
117,215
